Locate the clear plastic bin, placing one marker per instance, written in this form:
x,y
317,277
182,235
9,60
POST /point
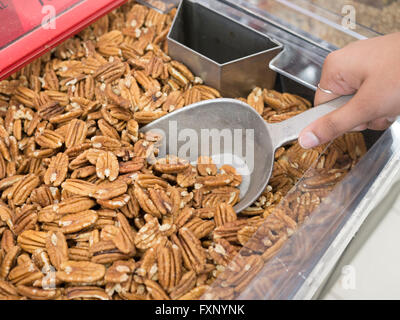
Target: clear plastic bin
x,y
308,33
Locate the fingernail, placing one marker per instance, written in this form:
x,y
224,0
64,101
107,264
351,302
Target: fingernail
x,y
361,127
308,140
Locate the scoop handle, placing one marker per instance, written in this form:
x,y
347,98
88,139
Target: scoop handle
x,y
289,130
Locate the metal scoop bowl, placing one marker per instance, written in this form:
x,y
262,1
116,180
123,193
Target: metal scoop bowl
x,y
245,140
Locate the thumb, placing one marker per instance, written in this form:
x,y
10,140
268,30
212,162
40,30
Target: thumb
x,y
358,111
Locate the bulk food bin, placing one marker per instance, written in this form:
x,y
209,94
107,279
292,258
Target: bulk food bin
x,y
306,34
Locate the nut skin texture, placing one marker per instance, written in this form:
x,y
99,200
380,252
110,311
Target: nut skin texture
x,y
57,248
80,272
107,166
57,170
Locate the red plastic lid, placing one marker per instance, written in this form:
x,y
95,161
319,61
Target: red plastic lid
x,y
29,28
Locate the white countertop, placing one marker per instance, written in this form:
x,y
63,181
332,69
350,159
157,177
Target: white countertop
x,y
370,265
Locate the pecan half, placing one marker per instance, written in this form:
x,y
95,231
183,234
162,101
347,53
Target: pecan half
x,y
57,170
76,133
80,272
193,254
57,248
107,166
75,222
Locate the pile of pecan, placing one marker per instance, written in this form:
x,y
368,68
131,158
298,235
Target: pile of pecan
x,y
84,215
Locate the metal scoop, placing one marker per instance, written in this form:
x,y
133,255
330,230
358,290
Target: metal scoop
x,y
245,140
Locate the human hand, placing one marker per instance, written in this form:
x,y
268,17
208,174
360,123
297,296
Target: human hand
x,y
370,69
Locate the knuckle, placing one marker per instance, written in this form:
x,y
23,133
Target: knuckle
x,y
331,59
380,124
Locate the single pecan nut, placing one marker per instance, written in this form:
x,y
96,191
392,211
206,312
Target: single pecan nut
x,y
155,290
75,222
76,133
149,234
8,261
110,190
86,292
171,165
124,239
224,213
169,262
57,248
255,99
73,204
23,188
30,240
105,252
38,294
57,170
206,167
195,293
200,228
49,139
80,272
25,218
79,187
193,254
25,272
120,271
107,166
